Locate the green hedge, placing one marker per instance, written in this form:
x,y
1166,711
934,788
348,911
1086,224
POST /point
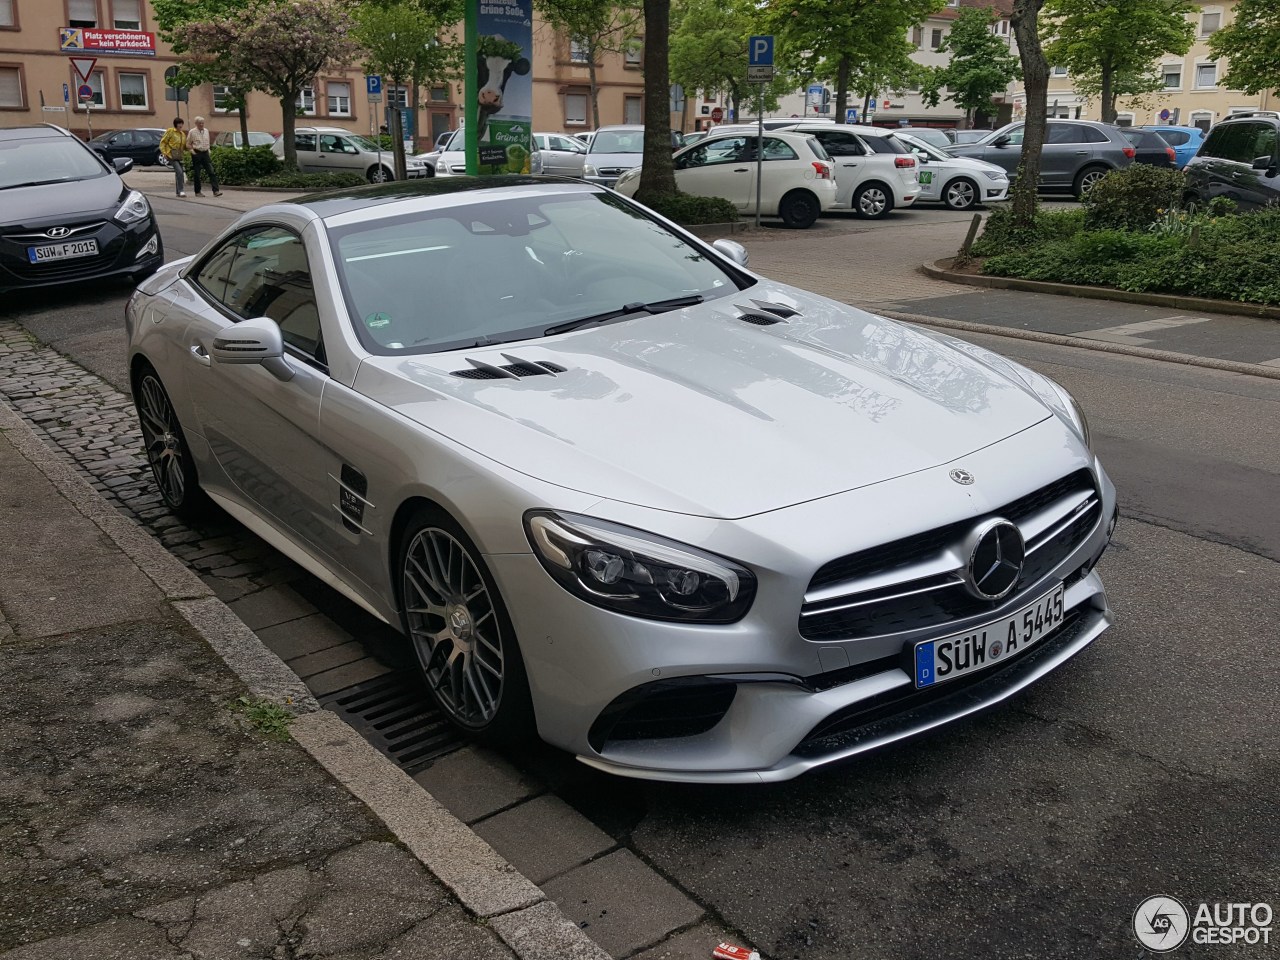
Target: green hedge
x,y
239,168
311,181
686,209
1133,198
1001,235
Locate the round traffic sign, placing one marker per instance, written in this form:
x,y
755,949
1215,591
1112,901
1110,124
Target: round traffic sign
x,y
1165,114
717,115
84,92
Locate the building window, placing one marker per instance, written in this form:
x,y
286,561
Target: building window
x,y
1206,76
633,110
224,100
917,37
1209,23
935,39
575,109
339,99
635,49
82,13
133,91
11,87
126,14
1202,119
577,51
95,83
6,13
1058,71
440,94
307,101
397,97
1172,75
1125,119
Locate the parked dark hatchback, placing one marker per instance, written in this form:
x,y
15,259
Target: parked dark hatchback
x,y
141,145
1151,148
1240,160
66,215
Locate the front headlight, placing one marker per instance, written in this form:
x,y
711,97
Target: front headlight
x,y
134,208
1075,414
995,175
588,170
637,573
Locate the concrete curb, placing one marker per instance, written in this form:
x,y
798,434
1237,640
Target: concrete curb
x,y
1099,346
941,270
485,883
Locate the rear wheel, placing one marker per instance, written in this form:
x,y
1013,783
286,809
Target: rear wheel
x,y
799,209
460,630
1086,179
872,201
960,194
170,458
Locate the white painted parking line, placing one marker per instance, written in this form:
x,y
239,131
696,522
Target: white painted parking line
x,y
1270,363
1129,332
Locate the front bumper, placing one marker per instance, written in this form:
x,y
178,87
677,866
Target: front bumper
x,y
122,252
755,701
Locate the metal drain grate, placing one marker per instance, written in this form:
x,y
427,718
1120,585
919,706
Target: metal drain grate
x,y
394,712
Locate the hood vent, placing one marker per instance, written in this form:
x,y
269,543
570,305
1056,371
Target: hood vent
x,y
764,313
513,369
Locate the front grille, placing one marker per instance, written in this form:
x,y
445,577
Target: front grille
x,y
69,269
915,588
612,171
664,709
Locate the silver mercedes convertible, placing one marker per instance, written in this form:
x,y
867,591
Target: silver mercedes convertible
x,y
685,522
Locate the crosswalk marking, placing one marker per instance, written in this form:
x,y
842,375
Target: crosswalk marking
x,y
1129,332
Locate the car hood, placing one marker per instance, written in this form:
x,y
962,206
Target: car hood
x,y
696,411
624,160
972,163
70,199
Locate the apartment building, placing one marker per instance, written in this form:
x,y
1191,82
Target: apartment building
x,y
1192,93
126,85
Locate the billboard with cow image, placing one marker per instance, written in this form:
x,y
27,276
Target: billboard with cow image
x,y
504,86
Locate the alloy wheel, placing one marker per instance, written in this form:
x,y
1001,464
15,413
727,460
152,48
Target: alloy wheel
x,y
454,627
960,195
166,451
872,202
1089,179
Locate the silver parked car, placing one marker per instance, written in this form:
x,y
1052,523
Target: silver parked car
x,y
562,154
685,522
1076,154
334,150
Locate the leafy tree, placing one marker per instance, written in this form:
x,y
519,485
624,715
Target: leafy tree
x,y
276,45
980,67
862,44
1112,47
709,51
657,172
1251,44
599,26
1025,22
173,14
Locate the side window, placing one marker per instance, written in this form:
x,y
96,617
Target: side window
x,y
1175,138
1015,136
886,145
775,149
724,150
122,139
1214,143
1265,143
305,141
1235,141
1093,135
215,277
331,144
840,144
1065,133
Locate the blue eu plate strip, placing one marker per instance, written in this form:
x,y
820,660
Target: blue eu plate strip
x,y
924,664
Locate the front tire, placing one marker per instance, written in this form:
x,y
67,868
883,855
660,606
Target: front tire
x,y
457,622
799,209
379,174
871,201
172,465
960,194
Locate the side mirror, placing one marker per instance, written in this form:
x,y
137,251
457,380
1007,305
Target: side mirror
x,y
1263,163
122,164
1000,141
733,250
254,341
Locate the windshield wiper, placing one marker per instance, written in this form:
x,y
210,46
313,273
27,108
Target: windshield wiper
x,y
626,310
32,183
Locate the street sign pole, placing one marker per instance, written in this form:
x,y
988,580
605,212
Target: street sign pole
x,y
759,147
471,102
759,71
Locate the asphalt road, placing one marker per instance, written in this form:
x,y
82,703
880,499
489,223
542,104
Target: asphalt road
x,y
1147,765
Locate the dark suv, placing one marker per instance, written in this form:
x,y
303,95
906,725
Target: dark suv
x,y
1076,155
66,215
1239,160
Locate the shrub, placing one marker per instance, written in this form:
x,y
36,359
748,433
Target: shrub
x,y
688,210
1001,235
311,181
241,167
1133,198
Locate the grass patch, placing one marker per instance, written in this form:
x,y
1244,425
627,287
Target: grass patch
x,y
268,718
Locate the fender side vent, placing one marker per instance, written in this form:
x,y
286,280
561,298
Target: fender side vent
x,y
514,369
759,319
777,309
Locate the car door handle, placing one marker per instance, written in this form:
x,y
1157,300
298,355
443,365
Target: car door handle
x,y
1082,153
848,164
742,170
201,354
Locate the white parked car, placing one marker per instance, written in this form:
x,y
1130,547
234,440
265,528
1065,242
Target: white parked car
x,y
796,183
875,171
561,154
959,182
451,161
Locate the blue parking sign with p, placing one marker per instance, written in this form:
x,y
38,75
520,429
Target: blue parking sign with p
x,y
373,85
760,51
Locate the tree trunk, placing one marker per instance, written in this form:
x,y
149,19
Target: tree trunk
x,y
657,174
595,91
415,107
244,118
735,102
1108,96
1035,76
842,89
396,129
288,111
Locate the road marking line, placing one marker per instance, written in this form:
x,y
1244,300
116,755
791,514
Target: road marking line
x,y
1129,331
1270,363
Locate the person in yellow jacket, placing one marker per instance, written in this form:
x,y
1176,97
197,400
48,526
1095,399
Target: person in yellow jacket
x,y
173,146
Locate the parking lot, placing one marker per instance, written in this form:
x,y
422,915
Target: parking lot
x,y
1147,765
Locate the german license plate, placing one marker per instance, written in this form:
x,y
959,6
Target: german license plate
x,y
938,661
63,251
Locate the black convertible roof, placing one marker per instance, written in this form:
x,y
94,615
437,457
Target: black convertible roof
x,y
335,202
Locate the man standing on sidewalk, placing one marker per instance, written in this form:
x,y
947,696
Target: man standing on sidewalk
x,y
198,142
173,145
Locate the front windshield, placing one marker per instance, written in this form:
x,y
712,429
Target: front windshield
x,y
501,270
46,160
922,149
364,143
618,141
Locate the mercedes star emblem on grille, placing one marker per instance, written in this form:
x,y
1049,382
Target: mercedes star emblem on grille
x,y
56,232
996,554
962,476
